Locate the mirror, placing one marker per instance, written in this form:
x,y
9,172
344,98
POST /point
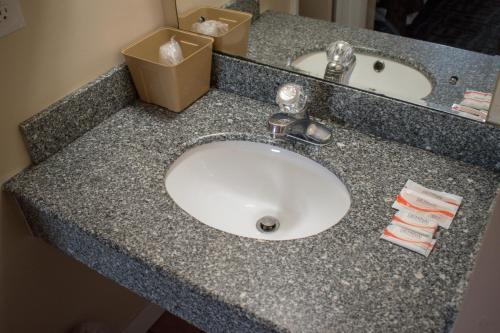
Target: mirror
x,y
441,54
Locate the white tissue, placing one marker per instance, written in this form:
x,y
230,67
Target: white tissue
x,y
171,53
211,28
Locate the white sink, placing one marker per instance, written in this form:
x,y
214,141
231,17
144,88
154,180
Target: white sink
x,y
231,185
395,80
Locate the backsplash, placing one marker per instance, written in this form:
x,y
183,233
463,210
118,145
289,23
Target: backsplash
x,y
435,131
63,122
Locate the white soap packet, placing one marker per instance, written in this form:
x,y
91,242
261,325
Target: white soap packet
x,y
478,95
210,27
415,221
440,211
170,53
476,104
443,196
410,239
474,112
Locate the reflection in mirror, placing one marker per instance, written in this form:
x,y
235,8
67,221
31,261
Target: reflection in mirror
x,y
229,28
442,54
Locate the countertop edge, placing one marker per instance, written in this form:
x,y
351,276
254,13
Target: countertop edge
x,y
130,272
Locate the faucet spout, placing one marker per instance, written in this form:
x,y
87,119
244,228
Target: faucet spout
x,y
337,73
341,62
293,121
281,125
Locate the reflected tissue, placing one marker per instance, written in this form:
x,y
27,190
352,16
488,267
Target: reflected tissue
x,y
211,27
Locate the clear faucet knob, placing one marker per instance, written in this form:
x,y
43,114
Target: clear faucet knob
x,y
340,52
291,98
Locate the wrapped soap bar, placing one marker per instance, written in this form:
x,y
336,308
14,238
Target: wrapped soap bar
x,y
443,196
415,221
410,239
440,211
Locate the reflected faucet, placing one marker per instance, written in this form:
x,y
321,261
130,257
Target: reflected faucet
x,y
341,62
293,121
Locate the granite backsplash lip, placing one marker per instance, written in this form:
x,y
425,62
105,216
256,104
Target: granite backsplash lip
x,y
61,123
108,184
277,37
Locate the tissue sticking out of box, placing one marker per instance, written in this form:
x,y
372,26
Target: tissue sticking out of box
x,y
211,28
171,53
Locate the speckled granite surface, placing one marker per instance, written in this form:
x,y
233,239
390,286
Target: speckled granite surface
x,y
63,122
250,6
435,131
102,200
276,37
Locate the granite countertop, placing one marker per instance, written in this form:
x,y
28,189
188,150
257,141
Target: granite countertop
x,y
276,37
102,200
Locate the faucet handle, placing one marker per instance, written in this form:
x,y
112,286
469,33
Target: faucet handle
x,y
291,98
340,52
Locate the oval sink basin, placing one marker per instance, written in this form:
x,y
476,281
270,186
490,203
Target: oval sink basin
x,y
414,87
257,190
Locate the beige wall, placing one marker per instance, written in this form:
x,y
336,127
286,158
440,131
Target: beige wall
x,y
186,5
64,45
285,6
355,14
479,309
318,9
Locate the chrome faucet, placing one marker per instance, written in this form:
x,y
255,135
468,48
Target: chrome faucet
x,y
341,62
293,121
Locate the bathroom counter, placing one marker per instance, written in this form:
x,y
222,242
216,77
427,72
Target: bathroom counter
x,y
102,201
276,37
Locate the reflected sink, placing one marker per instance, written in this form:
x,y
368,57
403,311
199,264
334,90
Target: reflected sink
x,y
235,186
395,80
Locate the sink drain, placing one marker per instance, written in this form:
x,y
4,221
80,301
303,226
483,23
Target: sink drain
x,y
378,66
267,224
